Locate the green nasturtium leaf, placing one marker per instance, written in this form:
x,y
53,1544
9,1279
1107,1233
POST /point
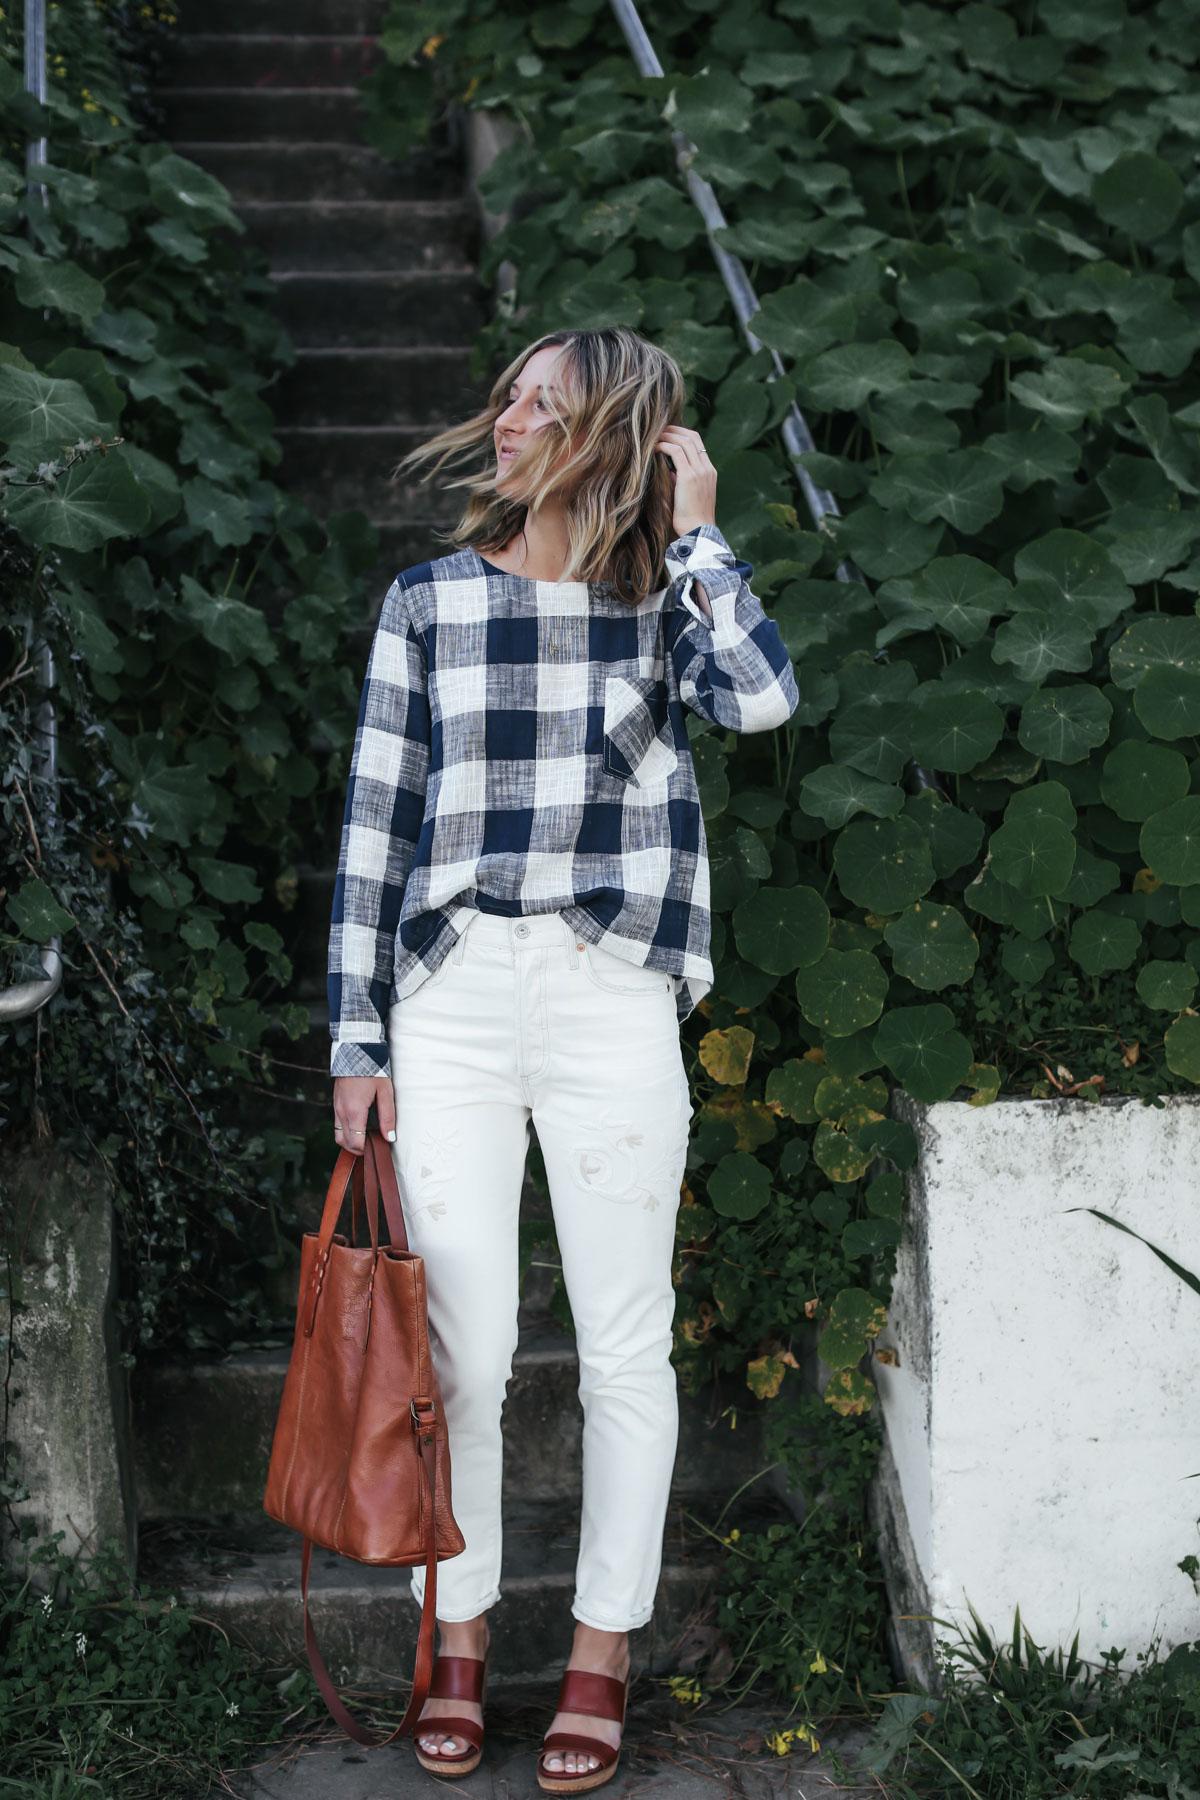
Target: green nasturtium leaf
x,y
44,281
1026,959
792,1089
1139,194
932,946
1102,942
1080,574
855,1317
892,1139
885,1197
1065,723
95,500
834,793
954,836
1034,855
838,1155
1170,842
849,1393
240,631
842,992
955,732
36,913
961,486
870,1237
1153,641
1043,800
38,411
1091,879
960,594
1038,643
228,882
1167,701
1066,389
739,1187
1167,986
781,929
1138,780
928,1057
712,777
883,864
1026,457
1182,1043
840,380
873,738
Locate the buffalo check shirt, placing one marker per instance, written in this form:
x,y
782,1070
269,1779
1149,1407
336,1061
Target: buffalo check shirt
x,y
522,748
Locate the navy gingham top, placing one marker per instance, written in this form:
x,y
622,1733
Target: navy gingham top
x,y
522,748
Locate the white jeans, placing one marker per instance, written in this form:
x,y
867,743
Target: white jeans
x,y
521,1020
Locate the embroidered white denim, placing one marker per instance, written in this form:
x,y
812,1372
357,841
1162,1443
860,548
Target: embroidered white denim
x,y
522,1021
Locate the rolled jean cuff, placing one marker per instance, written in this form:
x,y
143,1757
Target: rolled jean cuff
x,y
458,1617
587,1616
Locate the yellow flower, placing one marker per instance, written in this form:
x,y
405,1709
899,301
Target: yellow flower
x,y
733,1537
429,48
685,1689
781,1741
808,1735
818,1665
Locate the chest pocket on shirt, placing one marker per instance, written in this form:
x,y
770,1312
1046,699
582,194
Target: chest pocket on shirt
x,y
637,731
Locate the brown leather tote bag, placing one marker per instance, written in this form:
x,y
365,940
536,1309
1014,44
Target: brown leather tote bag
x,y
360,1463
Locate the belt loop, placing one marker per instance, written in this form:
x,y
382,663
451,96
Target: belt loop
x,y
572,942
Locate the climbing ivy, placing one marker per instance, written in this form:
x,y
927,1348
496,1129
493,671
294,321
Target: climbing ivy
x,y
205,699
971,861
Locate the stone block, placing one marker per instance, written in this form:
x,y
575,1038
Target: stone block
x,y
1042,1421
67,1411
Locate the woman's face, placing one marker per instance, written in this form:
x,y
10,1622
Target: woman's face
x,y
526,412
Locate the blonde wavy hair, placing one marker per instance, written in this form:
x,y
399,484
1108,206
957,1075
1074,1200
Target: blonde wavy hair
x,y
613,395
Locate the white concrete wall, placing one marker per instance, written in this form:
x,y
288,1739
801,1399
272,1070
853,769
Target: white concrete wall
x,y
1045,1412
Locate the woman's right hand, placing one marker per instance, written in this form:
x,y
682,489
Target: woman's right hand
x,y
353,1096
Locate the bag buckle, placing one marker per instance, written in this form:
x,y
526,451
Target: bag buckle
x,y
416,1407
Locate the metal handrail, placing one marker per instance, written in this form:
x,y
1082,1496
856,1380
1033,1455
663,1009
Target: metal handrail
x,y
797,437
21,998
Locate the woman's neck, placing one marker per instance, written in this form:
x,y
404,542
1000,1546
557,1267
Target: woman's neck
x,y
540,549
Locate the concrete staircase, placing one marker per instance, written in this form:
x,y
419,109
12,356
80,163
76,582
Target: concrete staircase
x,y
373,265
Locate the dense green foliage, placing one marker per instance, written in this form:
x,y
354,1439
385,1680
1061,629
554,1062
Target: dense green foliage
x,y
972,859
206,706
108,1689
1014,1722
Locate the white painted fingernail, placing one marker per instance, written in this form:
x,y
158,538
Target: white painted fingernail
x,y
391,1137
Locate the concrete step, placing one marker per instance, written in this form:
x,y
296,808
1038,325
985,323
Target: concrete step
x,y
274,17
201,59
333,467
363,234
371,387
234,113
332,171
366,1618
362,309
204,1433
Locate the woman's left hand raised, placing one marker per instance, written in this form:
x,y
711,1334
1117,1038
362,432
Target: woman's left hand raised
x,y
695,478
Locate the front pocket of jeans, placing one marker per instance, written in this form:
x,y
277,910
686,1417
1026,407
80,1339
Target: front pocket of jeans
x,y
614,975
637,741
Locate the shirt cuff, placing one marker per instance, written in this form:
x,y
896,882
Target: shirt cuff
x,y
351,1058
705,552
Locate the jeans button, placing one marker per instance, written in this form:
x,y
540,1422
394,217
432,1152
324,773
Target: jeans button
x,y
521,931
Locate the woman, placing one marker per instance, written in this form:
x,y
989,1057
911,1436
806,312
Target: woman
x,y
520,922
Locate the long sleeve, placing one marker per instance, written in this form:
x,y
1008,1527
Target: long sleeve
x,y
385,805
732,668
